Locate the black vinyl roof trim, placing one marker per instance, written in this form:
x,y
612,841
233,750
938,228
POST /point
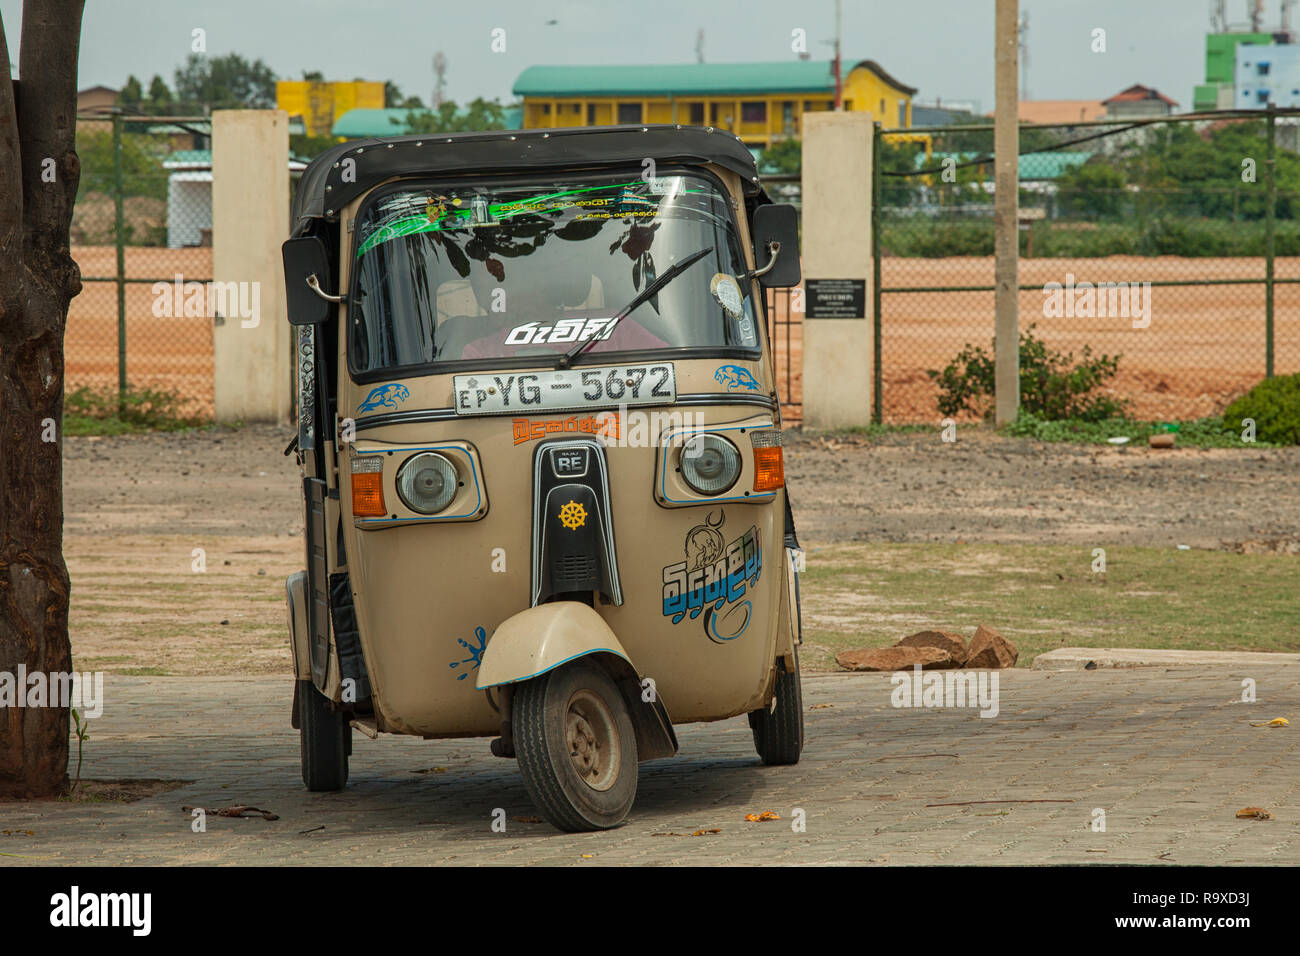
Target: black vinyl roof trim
x,y
322,191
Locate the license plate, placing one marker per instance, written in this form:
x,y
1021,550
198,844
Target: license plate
x,y
564,389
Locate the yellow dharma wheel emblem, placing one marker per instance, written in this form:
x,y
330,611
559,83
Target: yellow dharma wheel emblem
x,y
573,516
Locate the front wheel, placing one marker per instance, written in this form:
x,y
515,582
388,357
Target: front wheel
x,y
576,747
326,739
778,728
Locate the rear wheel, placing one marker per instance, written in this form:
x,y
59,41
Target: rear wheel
x,y
778,728
576,747
326,740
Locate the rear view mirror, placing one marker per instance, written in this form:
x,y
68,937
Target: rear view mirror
x,y
306,278
776,223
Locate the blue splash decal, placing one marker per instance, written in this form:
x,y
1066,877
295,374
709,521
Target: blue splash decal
x,y
734,377
385,396
741,612
475,653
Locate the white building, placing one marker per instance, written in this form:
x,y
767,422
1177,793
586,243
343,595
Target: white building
x,y
1267,73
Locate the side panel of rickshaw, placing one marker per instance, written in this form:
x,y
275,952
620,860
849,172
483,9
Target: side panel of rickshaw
x,y
429,592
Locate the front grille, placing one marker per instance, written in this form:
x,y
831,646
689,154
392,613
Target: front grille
x,y
574,571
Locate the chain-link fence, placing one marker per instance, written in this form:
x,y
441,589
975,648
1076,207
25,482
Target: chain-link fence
x,y
142,236
1173,245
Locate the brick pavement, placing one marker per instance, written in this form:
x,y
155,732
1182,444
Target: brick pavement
x,y
1167,753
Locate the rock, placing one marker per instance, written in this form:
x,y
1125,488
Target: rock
x,y
988,648
1162,440
895,658
954,644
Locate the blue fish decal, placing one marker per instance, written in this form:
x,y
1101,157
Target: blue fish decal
x,y
734,377
385,396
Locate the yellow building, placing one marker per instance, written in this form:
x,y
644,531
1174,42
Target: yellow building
x,y
320,104
761,103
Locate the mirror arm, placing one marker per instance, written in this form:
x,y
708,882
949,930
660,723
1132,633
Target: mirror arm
x,y
773,249
314,284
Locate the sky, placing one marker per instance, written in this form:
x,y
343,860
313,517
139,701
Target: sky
x,y
942,47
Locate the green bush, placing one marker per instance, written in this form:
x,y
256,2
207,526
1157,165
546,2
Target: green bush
x,y
1196,433
1051,386
1274,405
89,411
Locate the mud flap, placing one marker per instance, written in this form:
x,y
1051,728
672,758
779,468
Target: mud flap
x,y
654,730
318,601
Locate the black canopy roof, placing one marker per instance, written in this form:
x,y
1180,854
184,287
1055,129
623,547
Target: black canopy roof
x,y
322,191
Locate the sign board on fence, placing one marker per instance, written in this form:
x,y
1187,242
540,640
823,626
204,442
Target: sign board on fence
x,y
836,298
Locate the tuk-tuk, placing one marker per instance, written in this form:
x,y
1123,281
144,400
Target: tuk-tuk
x,y
540,442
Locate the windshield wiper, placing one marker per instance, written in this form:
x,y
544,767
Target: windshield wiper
x,y
649,292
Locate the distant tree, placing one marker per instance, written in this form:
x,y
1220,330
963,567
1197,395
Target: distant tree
x,y
132,94
1095,190
160,102
305,146
783,156
394,98
227,82
481,114
313,76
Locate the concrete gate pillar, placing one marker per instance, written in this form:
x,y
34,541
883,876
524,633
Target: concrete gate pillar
x,y
836,239
252,356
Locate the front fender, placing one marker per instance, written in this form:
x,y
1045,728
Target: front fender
x,y
542,638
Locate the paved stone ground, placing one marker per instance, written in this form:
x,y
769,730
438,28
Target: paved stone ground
x,y
1168,754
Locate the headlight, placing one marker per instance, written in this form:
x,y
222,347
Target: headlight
x,y
710,464
427,482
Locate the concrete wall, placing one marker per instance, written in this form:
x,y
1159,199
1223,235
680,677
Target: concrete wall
x,y
252,359
836,239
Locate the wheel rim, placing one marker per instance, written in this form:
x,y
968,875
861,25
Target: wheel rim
x,y
591,736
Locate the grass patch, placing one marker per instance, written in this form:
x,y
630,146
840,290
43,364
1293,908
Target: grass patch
x,y
875,430
1198,433
89,411
1044,598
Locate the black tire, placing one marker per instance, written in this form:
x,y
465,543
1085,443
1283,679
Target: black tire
x,y
326,739
588,788
778,731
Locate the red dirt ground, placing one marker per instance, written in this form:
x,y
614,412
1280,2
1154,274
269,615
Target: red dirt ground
x,y
1204,346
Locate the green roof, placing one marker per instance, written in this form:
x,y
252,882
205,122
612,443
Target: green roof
x,y
359,123
717,79
373,122
1048,165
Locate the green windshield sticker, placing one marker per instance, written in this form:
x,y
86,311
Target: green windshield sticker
x,y
444,213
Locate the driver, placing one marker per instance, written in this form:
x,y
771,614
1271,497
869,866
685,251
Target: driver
x,y
563,291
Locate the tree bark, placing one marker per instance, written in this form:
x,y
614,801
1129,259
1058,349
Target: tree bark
x,y
37,279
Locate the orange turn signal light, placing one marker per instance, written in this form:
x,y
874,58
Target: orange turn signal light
x,y
368,488
769,469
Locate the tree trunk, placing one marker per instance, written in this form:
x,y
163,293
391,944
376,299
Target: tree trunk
x,y
37,280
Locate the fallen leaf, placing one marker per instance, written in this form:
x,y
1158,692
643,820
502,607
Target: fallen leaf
x,y
527,819
587,856
1253,813
820,706
705,832
17,832
1275,722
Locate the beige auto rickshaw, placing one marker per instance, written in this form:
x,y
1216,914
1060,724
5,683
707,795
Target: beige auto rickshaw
x,y
541,454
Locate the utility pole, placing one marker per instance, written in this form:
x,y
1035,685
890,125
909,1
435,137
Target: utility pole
x,y
1006,214
839,70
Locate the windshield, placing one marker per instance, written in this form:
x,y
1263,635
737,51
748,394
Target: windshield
x,y
473,272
